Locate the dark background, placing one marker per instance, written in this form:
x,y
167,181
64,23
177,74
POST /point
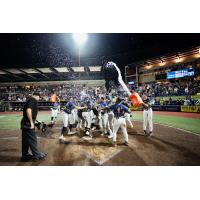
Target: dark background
x,y
46,50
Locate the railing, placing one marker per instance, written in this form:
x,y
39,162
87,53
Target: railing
x,y
18,106
45,105
174,108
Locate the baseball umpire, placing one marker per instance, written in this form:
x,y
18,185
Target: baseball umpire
x,y
29,138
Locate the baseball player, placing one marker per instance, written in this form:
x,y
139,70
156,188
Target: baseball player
x,y
127,114
110,118
54,111
136,99
95,116
79,117
95,122
148,115
103,116
58,105
87,116
69,117
119,111
54,98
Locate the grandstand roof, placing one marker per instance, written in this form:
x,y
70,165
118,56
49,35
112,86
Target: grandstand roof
x,y
174,58
49,73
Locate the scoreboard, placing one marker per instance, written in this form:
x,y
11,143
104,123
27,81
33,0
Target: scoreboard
x,y
180,73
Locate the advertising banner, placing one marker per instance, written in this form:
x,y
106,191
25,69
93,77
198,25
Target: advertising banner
x,y
190,109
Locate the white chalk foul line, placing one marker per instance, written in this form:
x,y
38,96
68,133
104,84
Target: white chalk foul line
x,y
9,138
100,162
12,138
171,126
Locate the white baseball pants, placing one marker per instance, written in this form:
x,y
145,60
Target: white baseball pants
x,y
54,112
120,123
128,119
148,119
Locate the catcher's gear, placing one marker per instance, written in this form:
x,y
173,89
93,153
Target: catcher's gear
x,y
43,126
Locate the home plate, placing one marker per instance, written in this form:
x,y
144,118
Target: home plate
x,y
100,156
86,138
72,132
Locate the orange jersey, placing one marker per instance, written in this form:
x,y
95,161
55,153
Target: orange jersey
x,y
136,99
53,98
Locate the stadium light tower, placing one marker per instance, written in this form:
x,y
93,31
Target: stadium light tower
x,y
80,39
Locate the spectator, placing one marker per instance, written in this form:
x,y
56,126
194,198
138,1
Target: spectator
x,y
24,98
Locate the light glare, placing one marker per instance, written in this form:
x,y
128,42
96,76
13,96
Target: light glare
x,y
80,38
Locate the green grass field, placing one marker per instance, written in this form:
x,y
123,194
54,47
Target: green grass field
x,y
12,122
188,124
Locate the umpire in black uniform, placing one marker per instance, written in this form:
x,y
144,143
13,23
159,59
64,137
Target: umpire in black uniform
x,y
29,138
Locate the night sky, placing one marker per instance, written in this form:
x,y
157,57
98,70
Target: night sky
x,y
46,50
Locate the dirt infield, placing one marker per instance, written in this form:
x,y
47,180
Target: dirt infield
x,y
168,146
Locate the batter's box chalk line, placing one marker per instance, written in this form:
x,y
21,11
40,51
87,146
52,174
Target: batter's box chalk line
x,y
87,138
107,158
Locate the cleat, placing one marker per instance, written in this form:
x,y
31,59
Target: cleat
x,y
87,133
114,144
26,158
61,137
126,143
145,132
39,158
150,133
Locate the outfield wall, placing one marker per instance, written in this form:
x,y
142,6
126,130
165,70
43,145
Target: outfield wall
x,y
172,108
195,97
46,105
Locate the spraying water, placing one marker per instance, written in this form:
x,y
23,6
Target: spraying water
x,y
110,64
112,68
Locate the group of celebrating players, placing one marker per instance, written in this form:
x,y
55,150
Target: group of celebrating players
x,y
102,112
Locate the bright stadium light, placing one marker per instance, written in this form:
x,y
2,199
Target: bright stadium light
x,y
80,39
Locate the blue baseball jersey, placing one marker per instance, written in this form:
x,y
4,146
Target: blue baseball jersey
x,y
110,103
103,104
69,106
55,105
119,109
89,105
